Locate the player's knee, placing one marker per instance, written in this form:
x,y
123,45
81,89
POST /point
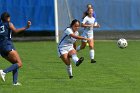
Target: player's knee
x,y
91,47
67,62
72,52
19,64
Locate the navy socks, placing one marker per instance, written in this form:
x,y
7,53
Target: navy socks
x,y
14,69
11,68
15,76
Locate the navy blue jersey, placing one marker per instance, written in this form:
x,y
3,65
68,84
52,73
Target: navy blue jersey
x,y
6,44
5,31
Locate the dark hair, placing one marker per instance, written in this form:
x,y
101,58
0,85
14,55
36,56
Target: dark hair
x,y
90,5
86,12
74,21
4,16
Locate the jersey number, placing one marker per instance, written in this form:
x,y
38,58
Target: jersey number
x,y
2,30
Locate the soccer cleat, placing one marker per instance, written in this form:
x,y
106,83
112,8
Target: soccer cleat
x,y
79,61
17,84
93,61
2,74
70,77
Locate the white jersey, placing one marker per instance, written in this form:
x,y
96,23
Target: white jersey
x,y
89,20
88,31
67,40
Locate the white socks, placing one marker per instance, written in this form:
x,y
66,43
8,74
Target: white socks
x,y
75,58
69,69
92,54
78,48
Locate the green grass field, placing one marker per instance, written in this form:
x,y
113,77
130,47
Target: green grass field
x,y
116,71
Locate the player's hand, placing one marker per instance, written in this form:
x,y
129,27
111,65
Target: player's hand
x,y
88,39
28,24
96,25
99,25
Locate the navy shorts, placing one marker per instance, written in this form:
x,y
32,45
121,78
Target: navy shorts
x,y
5,47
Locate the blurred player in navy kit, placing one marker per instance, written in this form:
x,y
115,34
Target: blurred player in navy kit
x,y
7,49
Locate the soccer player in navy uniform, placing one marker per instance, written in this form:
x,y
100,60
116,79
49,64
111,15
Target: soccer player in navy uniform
x,y
7,49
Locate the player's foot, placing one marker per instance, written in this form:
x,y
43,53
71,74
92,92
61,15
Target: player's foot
x,y
70,77
2,74
79,61
17,84
93,61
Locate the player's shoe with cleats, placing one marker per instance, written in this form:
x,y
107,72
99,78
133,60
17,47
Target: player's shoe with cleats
x,y
93,61
2,75
17,84
79,61
70,77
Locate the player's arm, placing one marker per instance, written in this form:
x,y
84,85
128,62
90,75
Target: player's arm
x,y
79,37
84,23
12,27
87,25
96,25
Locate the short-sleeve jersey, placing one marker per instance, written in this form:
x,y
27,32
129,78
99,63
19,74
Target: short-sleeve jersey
x,y
5,31
67,40
88,20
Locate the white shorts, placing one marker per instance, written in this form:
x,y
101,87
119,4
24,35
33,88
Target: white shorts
x,y
87,35
64,50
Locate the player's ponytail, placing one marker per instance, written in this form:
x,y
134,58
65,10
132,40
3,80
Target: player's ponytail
x,y
74,21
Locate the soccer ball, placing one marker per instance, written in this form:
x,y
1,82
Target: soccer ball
x,y
122,43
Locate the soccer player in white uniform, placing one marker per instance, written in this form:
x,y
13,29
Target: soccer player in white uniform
x,y
88,24
67,45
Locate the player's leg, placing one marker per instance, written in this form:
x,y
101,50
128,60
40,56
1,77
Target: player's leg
x,y
76,60
82,46
66,60
92,52
14,58
69,69
83,42
15,76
